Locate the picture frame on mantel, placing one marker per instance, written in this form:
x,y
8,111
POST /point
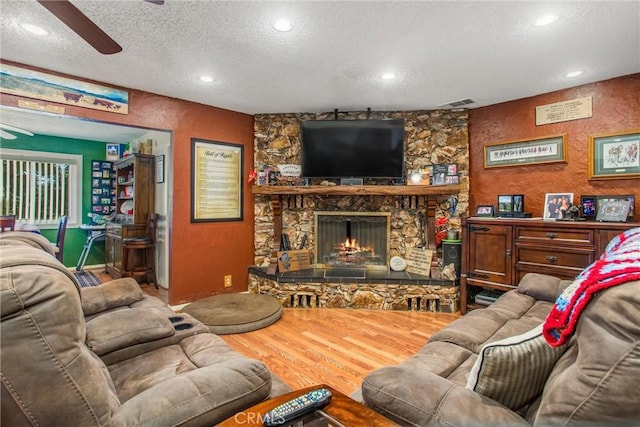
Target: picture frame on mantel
x,y
614,155
547,149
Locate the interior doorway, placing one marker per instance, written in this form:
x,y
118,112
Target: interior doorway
x,y
57,125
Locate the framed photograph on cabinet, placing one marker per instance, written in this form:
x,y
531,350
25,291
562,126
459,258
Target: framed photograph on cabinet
x,y
548,149
484,210
617,198
505,203
216,181
555,204
614,155
588,207
613,211
518,203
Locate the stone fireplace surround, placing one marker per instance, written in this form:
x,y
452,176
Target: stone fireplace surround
x,y
431,137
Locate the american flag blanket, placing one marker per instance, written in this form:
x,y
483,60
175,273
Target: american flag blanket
x,y
619,263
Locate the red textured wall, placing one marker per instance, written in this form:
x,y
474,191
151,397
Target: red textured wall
x,y
616,107
202,253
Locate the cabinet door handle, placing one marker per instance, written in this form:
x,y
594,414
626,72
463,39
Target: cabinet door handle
x,y
478,275
552,259
508,253
474,228
552,235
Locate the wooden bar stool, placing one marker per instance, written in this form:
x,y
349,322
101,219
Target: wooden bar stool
x,y
146,269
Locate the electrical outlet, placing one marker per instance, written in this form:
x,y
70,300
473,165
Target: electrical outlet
x,y
227,281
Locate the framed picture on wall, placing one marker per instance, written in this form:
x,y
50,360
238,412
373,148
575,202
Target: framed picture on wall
x,y
555,204
614,155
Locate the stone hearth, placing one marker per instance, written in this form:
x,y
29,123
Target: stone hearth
x,y
357,288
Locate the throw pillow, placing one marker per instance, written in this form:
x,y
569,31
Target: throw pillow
x,y
513,371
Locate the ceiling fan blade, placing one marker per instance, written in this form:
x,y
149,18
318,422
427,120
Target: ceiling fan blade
x,y
15,129
158,2
83,26
7,135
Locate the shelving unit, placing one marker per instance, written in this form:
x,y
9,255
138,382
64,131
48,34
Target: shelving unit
x,y
135,201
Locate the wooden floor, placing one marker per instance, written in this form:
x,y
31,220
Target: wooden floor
x,y
333,346
337,346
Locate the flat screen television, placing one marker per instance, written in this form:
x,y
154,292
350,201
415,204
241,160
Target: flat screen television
x,y
352,148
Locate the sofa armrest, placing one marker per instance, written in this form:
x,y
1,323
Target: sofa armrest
x,y
113,294
542,286
204,396
424,398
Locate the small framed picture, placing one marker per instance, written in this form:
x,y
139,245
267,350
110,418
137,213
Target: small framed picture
x,y
505,203
556,204
518,203
113,151
613,211
618,197
484,210
588,207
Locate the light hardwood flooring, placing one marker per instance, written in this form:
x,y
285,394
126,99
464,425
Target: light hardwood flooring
x,y
338,347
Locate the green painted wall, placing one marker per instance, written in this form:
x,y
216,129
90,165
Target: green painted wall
x,y
90,150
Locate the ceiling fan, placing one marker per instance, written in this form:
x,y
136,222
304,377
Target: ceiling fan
x,y
5,131
83,26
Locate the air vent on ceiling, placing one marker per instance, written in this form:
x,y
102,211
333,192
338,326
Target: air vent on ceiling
x,y
457,104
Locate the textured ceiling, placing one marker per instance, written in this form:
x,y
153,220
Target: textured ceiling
x,y
442,51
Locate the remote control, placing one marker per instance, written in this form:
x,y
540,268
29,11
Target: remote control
x,y
296,407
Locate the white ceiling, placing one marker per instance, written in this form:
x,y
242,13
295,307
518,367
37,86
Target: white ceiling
x,y
442,51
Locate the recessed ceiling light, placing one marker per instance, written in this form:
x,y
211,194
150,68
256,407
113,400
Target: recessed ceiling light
x,y
388,76
35,29
282,25
206,79
574,73
546,20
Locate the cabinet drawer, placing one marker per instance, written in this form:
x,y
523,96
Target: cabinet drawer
x,y
571,257
554,235
114,229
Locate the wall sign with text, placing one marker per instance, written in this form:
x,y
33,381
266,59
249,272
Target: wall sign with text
x,y
216,181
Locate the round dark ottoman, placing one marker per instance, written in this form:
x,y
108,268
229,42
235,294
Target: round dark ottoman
x,y
235,313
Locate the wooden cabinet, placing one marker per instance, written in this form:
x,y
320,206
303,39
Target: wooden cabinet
x,y
135,200
497,253
135,188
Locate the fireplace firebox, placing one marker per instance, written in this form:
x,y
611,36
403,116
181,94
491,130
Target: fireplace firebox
x,y
352,239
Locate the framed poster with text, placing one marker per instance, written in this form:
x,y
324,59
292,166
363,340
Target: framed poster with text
x,y
216,181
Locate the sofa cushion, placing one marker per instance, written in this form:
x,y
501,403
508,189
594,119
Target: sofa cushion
x,y
115,330
514,370
116,293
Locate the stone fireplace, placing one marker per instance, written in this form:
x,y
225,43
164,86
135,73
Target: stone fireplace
x,y
431,137
352,239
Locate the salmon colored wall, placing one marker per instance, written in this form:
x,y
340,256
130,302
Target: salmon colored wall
x,y
201,253
616,107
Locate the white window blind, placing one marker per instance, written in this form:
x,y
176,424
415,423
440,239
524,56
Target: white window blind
x,y
40,187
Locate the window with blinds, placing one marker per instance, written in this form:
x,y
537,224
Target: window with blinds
x,y
40,187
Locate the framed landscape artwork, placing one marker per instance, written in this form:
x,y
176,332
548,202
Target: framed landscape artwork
x,y
529,151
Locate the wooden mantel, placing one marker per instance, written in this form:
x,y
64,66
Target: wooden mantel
x,y
276,193
357,190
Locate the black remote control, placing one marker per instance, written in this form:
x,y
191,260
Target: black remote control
x,y
296,407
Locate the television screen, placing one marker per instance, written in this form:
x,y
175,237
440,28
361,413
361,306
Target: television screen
x,y
352,148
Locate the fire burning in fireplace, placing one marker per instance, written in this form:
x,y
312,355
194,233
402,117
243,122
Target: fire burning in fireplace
x,y
365,244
